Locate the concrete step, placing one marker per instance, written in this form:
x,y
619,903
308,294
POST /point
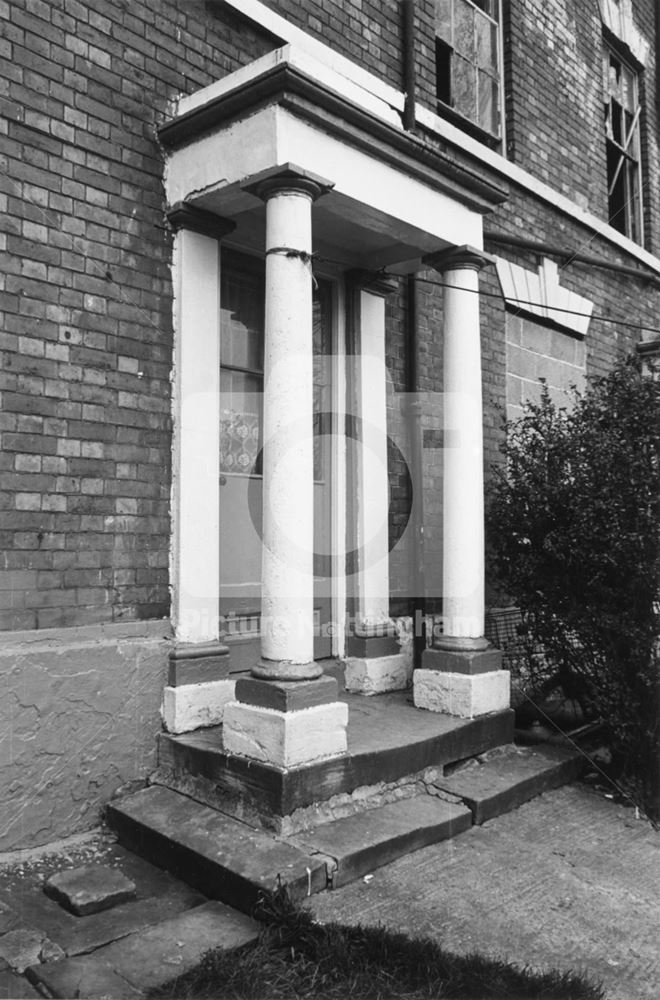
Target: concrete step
x,y
502,779
129,967
221,856
372,838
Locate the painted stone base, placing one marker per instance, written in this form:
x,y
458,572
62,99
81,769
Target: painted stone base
x,y
374,675
464,695
190,706
285,739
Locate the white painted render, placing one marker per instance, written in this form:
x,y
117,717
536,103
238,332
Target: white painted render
x,y
464,695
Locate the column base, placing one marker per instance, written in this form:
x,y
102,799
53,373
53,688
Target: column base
x,y
461,694
289,738
377,674
463,681
192,706
284,670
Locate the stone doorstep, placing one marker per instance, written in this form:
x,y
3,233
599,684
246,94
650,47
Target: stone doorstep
x,y
503,779
373,838
147,959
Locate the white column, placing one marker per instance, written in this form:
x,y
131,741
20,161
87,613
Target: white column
x,y
463,477
375,661
196,458
373,486
287,639
198,686
461,675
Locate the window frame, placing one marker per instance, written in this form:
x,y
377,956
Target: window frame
x,y
446,108
632,224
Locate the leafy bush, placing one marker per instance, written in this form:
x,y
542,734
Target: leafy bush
x,y
573,527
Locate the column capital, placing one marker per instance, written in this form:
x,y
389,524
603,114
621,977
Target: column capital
x,y
456,258
184,215
375,282
289,180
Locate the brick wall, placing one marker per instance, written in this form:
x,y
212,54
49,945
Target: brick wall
x,y
86,307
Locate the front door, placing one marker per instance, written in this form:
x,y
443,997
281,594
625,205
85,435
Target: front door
x,y
241,483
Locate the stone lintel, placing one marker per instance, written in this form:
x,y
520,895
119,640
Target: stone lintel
x,y
462,661
184,215
372,645
286,696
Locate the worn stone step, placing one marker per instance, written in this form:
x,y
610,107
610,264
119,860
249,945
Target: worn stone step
x,y
504,778
372,838
128,968
225,858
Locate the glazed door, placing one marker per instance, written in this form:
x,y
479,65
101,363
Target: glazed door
x,y
241,483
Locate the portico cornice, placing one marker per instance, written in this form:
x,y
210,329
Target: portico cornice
x,y
439,164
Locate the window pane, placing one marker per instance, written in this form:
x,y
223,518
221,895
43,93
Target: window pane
x,y
488,91
464,79
464,41
486,44
240,421
241,319
443,58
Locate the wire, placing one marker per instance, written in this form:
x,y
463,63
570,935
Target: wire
x,y
542,305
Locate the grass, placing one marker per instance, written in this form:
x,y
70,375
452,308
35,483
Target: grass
x,y
296,958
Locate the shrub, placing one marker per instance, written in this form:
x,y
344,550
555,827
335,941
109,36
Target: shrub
x,y
573,527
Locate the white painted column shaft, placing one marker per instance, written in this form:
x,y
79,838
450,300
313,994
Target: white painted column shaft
x,y
373,483
463,481
195,559
288,528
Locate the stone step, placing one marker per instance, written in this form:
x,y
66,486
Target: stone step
x,y
221,856
504,778
129,967
372,838
388,738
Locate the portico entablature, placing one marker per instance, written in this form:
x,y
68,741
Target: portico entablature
x,y
393,199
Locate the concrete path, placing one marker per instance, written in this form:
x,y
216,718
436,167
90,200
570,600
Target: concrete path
x,y
569,880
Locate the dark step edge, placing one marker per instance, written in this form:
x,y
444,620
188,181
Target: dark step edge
x,y
508,799
283,792
209,876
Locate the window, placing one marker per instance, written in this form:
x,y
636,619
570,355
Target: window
x,y
467,57
622,113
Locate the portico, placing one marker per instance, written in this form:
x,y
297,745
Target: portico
x,y
301,168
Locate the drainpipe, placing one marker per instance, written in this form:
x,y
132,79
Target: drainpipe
x,y
408,15
418,576
657,51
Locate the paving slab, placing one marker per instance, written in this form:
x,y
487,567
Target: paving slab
x,y
569,880
506,777
150,958
89,889
13,987
360,843
24,946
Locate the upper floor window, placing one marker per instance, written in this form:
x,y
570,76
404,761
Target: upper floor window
x,y
622,114
467,56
